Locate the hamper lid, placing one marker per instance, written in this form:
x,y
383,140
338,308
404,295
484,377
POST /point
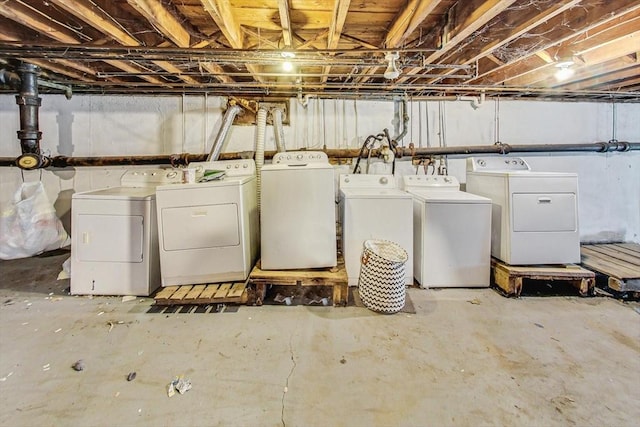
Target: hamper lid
x,y
387,250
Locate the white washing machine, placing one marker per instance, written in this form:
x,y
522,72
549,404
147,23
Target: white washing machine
x,y
372,207
535,214
298,215
451,233
114,249
208,231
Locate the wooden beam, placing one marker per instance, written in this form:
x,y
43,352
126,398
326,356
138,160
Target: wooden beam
x,y
100,21
222,14
23,15
19,13
562,30
285,22
162,19
50,65
472,15
358,41
408,20
307,43
339,15
599,54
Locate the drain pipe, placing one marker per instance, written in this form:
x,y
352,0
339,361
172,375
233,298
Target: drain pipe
x,y
29,134
261,127
278,129
476,102
223,132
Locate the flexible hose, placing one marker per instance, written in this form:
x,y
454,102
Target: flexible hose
x,y
278,129
261,127
223,133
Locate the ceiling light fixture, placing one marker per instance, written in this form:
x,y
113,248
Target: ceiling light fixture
x,y
392,71
287,65
565,70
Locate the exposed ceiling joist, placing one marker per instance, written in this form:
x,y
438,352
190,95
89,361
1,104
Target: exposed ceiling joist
x,y
446,47
163,20
414,13
285,22
472,15
338,17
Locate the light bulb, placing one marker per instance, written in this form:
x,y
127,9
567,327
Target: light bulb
x,y
564,73
287,66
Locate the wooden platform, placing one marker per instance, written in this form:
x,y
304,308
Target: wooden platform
x,y
203,294
335,277
619,262
509,277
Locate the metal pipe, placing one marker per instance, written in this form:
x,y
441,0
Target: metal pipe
x,y
29,134
337,153
223,133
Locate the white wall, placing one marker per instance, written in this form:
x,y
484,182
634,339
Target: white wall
x,y
117,125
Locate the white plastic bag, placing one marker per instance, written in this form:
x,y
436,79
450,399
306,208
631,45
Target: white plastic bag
x,y
30,226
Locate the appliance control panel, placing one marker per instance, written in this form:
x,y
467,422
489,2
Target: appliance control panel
x,y
150,177
479,164
241,167
443,182
367,181
300,157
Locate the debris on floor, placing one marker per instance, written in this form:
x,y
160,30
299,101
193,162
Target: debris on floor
x,y
474,301
179,384
79,365
128,298
131,376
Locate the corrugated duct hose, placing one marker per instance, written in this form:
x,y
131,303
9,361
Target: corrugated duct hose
x,y
261,127
278,130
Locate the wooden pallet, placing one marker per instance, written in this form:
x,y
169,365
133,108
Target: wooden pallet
x,y
509,277
335,277
620,262
203,294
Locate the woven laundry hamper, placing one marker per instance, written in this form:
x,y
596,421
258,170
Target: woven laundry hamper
x,y
382,275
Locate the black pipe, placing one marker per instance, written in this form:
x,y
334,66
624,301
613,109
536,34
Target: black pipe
x,y
29,134
185,158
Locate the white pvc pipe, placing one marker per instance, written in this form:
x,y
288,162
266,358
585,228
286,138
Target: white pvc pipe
x,y
261,127
278,129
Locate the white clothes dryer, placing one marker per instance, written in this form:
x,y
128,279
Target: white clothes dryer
x,y
372,207
114,249
208,231
452,233
298,215
535,214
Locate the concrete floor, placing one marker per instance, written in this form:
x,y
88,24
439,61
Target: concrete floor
x,y
467,357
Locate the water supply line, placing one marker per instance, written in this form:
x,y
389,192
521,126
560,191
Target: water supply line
x,y
223,132
278,129
261,127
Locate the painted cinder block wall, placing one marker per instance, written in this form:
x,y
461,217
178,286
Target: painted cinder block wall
x,y
609,183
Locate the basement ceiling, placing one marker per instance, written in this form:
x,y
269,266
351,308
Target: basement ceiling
x,y
337,48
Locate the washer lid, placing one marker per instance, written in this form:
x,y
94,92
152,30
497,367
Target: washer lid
x,y
374,193
118,193
439,196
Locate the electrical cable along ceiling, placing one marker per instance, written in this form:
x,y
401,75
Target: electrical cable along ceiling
x,y
558,49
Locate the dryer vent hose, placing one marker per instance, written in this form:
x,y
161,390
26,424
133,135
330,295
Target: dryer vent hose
x,y
261,127
278,130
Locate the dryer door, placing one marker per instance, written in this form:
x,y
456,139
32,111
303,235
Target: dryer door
x,y
541,212
109,238
200,227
